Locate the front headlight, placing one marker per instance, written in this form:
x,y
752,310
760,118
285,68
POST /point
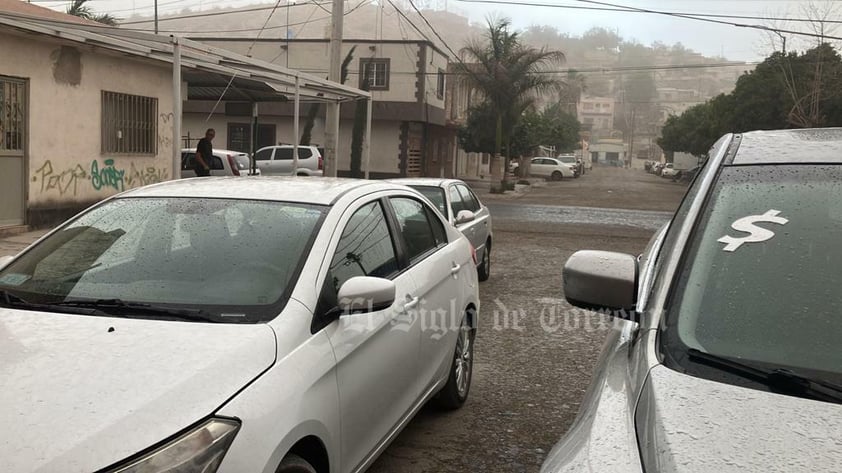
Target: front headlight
x,y
199,451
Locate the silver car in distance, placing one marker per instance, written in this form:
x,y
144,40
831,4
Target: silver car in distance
x,y
230,325
728,359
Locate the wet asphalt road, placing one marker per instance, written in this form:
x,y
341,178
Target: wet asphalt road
x,y
516,212
534,354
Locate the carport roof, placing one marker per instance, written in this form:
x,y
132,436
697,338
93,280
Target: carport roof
x,y
210,73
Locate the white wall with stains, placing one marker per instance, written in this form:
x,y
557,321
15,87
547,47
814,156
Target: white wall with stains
x,y
65,163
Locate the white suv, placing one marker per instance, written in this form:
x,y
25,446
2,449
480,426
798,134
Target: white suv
x,y
224,163
277,160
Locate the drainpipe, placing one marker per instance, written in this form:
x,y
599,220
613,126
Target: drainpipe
x,y
176,108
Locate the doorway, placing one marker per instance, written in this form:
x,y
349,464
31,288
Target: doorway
x,y
13,139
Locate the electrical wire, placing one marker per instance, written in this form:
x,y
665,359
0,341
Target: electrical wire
x,y
269,17
217,13
625,9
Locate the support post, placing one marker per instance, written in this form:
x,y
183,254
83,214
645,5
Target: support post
x,y
335,72
295,120
176,108
253,141
156,16
367,142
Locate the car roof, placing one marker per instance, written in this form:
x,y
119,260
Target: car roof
x,y
426,181
215,150
811,145
305,190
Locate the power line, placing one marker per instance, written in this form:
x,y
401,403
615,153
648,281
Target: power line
x,y
625,9
268,17
707,20
429,25
225,12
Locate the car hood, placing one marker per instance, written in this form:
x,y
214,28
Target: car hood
x,y
79,393
689,424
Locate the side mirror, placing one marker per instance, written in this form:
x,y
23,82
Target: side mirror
x,y
601,280
465,216
4,260
364,294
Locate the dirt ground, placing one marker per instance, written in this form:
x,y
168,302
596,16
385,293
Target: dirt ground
x,y
534,353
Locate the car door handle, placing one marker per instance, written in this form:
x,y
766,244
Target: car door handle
x,y
411,304
455,268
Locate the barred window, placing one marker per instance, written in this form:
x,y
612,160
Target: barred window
x,y
12,119
440,84
129,124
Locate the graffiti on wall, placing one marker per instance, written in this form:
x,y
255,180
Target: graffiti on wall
x,y
100,176
165,130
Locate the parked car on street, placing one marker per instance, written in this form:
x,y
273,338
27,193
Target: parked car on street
x,y
550,168
656,168
669,170
572,163
278,161
227,325
224,163
463,209
725,353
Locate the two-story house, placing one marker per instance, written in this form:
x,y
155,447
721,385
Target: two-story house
x,y
407,79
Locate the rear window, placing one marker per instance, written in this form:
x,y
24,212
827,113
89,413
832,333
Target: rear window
x,y
761,278
436,196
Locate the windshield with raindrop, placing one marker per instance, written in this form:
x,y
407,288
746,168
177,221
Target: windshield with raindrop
x,y
237,259
761,280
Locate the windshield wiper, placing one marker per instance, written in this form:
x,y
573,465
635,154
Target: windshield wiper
x,y
121,307
781,380
9,299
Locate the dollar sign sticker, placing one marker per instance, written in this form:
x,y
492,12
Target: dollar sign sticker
x,y
756,234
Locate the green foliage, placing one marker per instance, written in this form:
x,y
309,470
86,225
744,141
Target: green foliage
x,y
509,75
784,91
80,9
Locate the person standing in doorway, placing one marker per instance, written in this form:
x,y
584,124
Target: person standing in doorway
x,y
204,154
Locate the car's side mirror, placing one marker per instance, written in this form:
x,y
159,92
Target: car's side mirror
x,y
465,216
4,260
364,294
601,280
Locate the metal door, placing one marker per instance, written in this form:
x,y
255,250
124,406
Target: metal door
x,y
13,138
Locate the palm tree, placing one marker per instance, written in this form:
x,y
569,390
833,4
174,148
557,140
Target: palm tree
x,y
509,75
80,9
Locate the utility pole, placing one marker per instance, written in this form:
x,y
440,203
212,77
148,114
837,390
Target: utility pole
x,y
631,141
332,116
156,16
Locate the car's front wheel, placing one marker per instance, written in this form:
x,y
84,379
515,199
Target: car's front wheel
x,y
292,463
455,392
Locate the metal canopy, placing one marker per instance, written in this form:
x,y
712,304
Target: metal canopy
x,y
202,65
210,73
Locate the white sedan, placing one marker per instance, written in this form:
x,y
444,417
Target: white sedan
x,y
550,168
231,325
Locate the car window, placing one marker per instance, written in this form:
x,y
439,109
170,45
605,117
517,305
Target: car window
x,y
456,203
304,153
216,163
438,228
283,153
536,161
760,282
366,247
187,161
235,259
471,202
263,154
436,196
415,227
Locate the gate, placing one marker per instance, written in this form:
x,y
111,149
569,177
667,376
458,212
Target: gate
x,y
13,138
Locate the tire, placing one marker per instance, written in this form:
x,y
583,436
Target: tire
x,y
556,176
292,463
455,392
484,269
